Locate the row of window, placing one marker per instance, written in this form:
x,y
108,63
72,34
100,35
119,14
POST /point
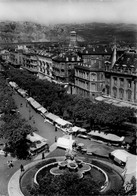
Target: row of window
x,y
82,84
82,92
121,82
121,94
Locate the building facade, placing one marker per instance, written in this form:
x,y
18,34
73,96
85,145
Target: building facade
x,y
63,66
45,65
73,39
121,79
89,75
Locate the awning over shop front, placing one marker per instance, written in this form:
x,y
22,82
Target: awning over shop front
x,y
65,142
30,99
62,122
110,137
75,129
35,104
22,92
51,116
42,110
13,84
122,155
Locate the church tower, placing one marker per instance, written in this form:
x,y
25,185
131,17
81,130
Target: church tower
x,y
73,39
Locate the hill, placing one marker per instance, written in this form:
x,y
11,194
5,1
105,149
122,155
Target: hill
x,y
88,32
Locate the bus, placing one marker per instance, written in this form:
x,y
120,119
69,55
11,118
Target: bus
x,y
37,143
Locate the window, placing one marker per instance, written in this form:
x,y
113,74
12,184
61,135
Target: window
x,y
115,92
129,95
115,81
93,76
93,86
122,82
121,93
129,83
108,80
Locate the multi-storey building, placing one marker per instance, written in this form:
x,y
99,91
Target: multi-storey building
x,y
73,39
89,75
14,58
45,65
29,62
121,79
63,66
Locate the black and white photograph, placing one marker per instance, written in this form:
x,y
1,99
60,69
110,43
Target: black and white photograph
x,y
68,97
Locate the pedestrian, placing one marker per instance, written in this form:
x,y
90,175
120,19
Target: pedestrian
x,y
5,154
56,128
21,105
55,139
47,148
11,164
43,155
22,168
8,163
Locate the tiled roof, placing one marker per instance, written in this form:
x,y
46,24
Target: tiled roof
x,y
67,57
128,60
46,53
98,49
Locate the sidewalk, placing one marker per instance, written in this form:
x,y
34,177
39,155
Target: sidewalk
x,y
13,185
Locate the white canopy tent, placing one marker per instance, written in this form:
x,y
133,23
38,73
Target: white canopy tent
x,y
42,110
22,92
35,137
51,117
30,99
62,122
109,136
74,129
121,155
35,104
65,142
13,84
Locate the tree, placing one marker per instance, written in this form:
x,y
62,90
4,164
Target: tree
x,y
67,184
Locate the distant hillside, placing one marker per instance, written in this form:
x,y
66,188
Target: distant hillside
x,y
89,32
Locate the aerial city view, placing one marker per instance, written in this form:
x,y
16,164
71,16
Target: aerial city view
x,y
68,97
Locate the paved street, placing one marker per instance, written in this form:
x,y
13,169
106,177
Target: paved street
x,y
46,130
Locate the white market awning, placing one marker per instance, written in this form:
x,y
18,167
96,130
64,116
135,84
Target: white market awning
x,y
62,122
30,99
109,136
13,84
35,137
42,110
35,104
75,129
64,142
121,155
51,116
21,91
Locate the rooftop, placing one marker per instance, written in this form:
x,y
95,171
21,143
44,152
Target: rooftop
x,y
67,57
97,50
127,61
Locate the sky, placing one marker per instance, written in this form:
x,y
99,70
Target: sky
x,y
69,11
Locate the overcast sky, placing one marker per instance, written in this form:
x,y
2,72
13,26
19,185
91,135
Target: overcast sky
x,y
63,11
